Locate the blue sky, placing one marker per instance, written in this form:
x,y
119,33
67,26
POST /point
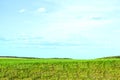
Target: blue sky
x,y
79,29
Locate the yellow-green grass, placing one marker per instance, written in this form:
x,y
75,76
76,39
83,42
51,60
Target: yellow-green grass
x,y
59,69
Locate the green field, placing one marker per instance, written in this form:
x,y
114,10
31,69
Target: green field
x,y
59,69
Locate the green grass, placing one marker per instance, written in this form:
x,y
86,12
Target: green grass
x,y
59,69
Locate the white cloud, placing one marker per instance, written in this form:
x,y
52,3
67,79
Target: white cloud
x,y
90,8
77,20
65,30
116,31
22,10
42,9
64,24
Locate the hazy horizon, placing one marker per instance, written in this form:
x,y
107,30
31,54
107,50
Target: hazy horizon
x,y
60,28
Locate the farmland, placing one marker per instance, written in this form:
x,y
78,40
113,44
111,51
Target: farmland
x,y
59,69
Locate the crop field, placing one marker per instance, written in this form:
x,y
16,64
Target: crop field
x,y
59,69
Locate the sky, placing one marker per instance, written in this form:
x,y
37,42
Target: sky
x,y
78,29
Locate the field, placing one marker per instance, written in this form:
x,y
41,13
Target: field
x,y
59,69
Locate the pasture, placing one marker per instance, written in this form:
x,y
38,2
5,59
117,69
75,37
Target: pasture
x,y
59,69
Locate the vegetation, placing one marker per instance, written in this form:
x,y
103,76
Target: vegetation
x,y
59,69
111,57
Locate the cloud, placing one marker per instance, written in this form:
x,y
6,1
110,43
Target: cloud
x,y
22,10
66,29
3,39
69,21
116,31
41,9
97,18
80,19
47,43
27,40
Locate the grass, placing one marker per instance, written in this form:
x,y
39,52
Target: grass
x,y
59,69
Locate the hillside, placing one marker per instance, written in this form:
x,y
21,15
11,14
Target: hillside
x,y
110,57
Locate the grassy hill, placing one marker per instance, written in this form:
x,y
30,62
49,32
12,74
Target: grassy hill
x,y
27,68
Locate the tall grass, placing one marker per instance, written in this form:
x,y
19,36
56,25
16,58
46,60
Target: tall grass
x,y
59,69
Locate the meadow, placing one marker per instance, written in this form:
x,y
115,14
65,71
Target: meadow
x,y
59,69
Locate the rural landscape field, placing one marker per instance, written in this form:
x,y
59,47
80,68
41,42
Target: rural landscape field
x,y
16,68
59,39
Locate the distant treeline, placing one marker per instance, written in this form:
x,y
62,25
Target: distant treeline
x,y
14,57
109,57
59,58
30,57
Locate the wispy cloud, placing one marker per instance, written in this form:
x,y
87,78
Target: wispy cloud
x,y
41,9
3,39
22,10
64,23
48,44
26,40
97,18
